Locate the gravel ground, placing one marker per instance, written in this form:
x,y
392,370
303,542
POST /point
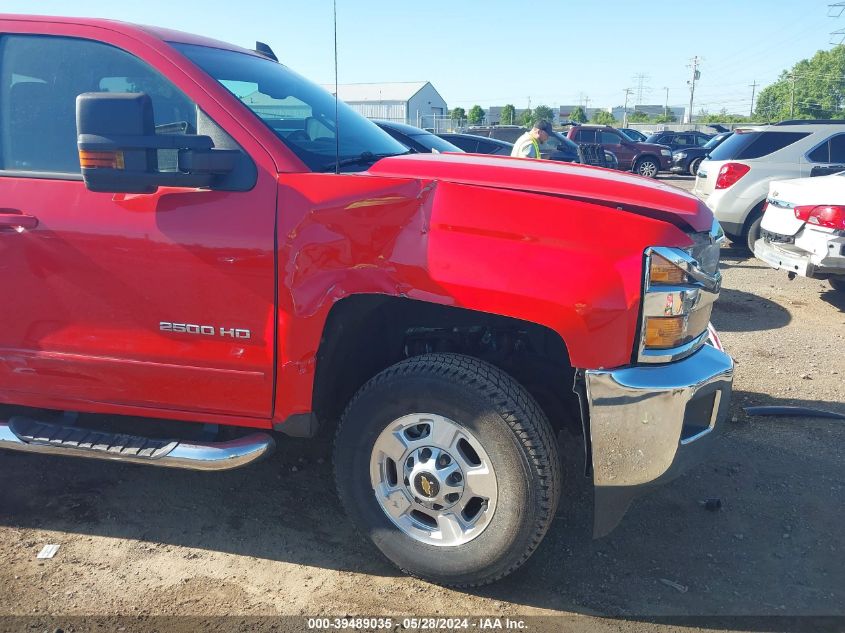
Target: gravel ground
x,y
272,540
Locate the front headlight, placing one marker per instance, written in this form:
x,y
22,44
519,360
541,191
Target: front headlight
x,y
666,152
679,155
680,288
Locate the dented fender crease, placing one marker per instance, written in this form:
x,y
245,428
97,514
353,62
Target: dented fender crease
x,y
519,254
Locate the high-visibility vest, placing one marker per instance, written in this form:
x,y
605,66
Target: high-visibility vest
x,y
520,143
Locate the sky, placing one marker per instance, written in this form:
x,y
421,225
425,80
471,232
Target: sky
x,y
496,52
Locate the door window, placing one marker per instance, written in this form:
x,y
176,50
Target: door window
x,y
609,138
586,136
40,78
831,151
821,154
837,149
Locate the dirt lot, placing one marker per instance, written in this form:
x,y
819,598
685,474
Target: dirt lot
x,y
272,540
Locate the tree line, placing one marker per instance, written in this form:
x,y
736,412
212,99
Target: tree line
x,y
813,88
508,115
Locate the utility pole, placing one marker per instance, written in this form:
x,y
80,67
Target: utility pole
x,y
792,95
628,92
666,104
753,90
696,75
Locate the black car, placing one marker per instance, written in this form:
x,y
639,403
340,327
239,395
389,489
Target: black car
x,y
634,135
475,144
415,138
679,140
686,161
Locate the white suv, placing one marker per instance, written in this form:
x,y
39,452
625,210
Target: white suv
x,y
734,180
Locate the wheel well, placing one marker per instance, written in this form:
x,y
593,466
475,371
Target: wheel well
x,y
365,334
755,213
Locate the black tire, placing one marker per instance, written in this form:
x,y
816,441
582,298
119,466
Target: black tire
x,y
694,165
753,233
647,166
837,283
508,424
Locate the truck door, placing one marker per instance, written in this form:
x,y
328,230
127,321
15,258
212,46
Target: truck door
x,y
156,301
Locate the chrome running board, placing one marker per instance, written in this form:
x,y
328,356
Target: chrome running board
x,y
33,436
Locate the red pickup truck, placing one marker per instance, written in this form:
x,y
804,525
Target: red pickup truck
x,y
190,231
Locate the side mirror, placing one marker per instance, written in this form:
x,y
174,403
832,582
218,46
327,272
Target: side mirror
x,y
119,148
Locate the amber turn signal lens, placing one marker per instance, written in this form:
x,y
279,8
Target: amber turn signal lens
x,y
664,332
663,271
100,160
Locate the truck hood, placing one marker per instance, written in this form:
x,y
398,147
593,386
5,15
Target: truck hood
x,y
626,192
652,147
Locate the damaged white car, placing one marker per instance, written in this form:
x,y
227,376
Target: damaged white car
x,y
803,228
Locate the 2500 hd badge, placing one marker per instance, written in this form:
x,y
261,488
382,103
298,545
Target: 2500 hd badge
x,y
205,330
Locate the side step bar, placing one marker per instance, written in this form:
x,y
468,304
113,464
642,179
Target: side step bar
x,y
33,436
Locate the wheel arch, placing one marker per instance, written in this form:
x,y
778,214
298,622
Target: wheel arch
x,y
366,333
754,211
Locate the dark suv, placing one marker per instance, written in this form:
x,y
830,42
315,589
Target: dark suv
x,y
645,159
679,140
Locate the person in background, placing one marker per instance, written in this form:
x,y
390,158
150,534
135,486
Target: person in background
x,y
528,145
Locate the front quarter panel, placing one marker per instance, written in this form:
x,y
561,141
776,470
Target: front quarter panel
x,y
572,266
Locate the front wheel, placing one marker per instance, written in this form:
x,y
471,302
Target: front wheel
x,y
695,163
647,167
450,467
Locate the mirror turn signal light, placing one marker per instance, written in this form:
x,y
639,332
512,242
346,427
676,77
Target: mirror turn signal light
x,y
662,271
100,160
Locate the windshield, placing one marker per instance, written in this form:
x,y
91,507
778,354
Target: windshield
x,y
299,112
713,142
435,143
557,139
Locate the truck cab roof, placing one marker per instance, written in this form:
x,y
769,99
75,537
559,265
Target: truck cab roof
x,y
133,30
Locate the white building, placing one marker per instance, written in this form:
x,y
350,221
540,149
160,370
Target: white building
x,y
413,102
651,110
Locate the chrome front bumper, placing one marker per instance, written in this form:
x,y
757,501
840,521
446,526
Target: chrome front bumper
x,y
647,423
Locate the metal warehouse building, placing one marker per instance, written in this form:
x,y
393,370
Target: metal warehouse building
x,y
414,102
